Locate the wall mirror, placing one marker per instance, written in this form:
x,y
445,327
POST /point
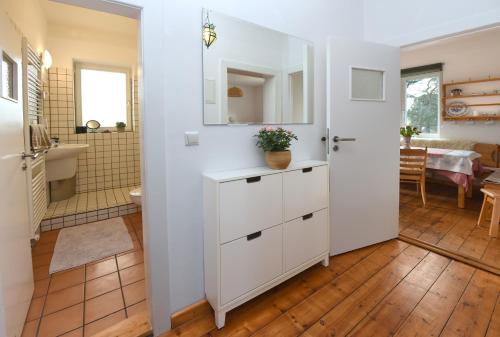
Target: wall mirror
x,y
254,75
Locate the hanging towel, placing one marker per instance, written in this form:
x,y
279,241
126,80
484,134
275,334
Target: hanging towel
x,y
39,137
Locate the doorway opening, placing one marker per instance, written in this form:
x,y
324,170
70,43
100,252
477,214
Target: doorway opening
x,y
450,93
87,255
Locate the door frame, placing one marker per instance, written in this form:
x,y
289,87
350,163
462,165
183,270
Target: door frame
x,y
149,13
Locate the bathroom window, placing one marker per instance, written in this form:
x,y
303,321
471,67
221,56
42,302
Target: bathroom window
x,y
102,93
8,73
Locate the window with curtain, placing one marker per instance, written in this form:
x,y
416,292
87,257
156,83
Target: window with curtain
x,y
421,94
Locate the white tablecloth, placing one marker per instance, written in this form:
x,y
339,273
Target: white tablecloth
x,y
459,161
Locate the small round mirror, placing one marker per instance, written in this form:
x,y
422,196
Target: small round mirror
x,y
93,125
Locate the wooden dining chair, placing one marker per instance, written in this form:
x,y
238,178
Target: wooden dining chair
x,y
412,164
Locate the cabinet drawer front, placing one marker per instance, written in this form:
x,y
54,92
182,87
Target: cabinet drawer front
x,y
250,205
305,191
305,238
249,263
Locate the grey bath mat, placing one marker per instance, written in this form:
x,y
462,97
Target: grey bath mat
x,y
82,244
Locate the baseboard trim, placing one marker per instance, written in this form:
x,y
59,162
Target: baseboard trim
x,y
135,326
191,312
448,253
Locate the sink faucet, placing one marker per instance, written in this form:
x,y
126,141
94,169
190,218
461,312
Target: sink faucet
x,y
54,141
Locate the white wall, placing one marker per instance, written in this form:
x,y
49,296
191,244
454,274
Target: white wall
x,y
75,33
29,17
473,56
229,147
67,43
399,23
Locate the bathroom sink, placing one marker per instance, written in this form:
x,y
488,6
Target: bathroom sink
x,y
60,160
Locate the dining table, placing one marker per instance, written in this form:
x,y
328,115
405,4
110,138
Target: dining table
x,y
458,166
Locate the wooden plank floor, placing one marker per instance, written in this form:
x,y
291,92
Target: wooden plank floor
x,y
444,225
389,289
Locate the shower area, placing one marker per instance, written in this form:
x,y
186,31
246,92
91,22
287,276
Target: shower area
x,y
92,112
106,171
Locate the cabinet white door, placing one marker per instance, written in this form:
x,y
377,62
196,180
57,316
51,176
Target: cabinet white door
x,y
306,238
250,262
250,205
305,191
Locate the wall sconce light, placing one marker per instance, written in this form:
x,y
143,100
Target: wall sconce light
x,y
209,34
46,59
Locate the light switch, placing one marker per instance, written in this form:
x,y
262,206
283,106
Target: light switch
x,y
191,138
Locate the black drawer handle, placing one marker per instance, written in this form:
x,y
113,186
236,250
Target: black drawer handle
x,y
253,179
307,216
307,169
254,236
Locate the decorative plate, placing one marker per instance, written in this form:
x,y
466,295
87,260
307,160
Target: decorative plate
x,y
456,109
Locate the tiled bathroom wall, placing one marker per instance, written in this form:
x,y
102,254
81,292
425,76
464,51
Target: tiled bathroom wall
x,y
112,159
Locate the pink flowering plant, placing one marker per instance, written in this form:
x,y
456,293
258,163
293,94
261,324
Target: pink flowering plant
x,y
271,139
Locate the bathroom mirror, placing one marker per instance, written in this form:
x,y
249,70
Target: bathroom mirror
x,y
254,75
93,125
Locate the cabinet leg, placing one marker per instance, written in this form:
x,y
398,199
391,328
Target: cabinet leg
x,y
326,261
220,319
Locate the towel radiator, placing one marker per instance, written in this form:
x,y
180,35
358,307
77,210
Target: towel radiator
x,y
33,114
38,196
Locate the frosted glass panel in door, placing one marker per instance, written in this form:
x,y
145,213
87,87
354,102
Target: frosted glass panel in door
x,y
367,84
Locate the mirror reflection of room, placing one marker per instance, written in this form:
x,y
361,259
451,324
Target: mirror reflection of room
x,y
255,75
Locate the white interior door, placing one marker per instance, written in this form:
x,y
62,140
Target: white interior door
x,y
363,112
16,274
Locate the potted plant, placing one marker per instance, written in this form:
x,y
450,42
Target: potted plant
x,y
120,126
407,132
276,144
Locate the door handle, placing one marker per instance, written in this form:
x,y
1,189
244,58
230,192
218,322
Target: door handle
x,y
33,156
337,139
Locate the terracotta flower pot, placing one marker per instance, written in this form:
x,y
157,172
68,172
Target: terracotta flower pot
x,y
278,160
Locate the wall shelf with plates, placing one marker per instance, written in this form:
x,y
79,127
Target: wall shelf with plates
x,y
459,97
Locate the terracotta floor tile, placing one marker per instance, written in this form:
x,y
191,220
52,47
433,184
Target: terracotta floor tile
x,y
132,274
137,309
139,236
133,236
75,333
29,329
66,279
103,305
48,237
35,310
41,260
101,268
103,323
40,249
137,245
61,322
130,259
41,288
101,285
61,299
137,224
134,293
41,273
